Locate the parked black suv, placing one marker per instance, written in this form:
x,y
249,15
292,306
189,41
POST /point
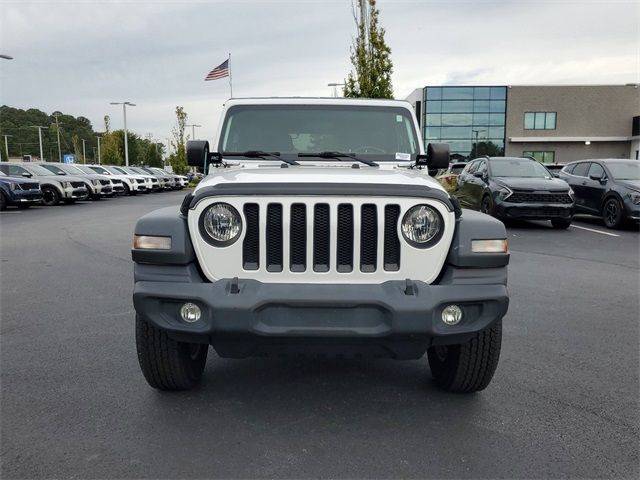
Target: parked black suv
x,y
609,188
516,188
18,192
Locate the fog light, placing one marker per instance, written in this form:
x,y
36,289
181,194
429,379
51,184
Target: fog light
x,y
190,312
452,314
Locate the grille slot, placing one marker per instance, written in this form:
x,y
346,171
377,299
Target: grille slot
x,y
298,238
251,244
274,237
368,238
344,248
531,197
321,237
391,240
77,184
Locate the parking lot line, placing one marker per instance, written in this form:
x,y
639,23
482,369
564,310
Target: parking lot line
x,y
595,231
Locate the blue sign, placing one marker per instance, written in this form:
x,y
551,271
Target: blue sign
x,y
69,158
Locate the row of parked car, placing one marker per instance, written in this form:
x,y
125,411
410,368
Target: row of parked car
x,y
522,188
26,184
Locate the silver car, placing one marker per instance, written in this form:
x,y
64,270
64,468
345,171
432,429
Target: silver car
x,y
99,186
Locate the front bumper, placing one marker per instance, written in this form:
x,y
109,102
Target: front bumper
x,y
533,211
76,193
25,197
388,319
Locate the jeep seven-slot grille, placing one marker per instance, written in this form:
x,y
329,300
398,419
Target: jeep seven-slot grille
x,y
316,219
539,197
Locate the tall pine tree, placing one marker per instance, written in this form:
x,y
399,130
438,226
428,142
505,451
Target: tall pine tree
x,y
370,56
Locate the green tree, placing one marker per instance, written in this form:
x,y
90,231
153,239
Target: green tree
x,y
370,56
178,160
486,147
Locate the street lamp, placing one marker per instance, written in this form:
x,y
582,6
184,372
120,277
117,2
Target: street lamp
x,y
56,115
99,138
193,130
39,138
124,112
6,145
84,152
335,87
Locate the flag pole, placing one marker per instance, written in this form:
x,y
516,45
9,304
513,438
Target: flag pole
x,y
230,81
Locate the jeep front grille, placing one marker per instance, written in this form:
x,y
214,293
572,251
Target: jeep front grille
x,y
316,219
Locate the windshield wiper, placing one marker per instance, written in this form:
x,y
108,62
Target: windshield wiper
x,y
339,156
259,154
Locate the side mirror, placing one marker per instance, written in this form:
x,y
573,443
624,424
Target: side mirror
x,y
437,157
478,174
27,174
60,173
597,178
198,154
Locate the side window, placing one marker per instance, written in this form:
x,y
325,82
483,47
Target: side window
x,y
568,168
581,169
4,169
16,171
596,170
482,167
472,167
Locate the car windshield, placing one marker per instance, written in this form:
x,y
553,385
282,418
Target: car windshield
x,y
624,170
117,170
373,132
38,170
518,167
92,170
55,169
73,170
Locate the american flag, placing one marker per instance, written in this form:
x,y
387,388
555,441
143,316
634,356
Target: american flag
x,y
220,71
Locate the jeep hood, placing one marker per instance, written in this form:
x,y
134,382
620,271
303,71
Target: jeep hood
x,y
344,174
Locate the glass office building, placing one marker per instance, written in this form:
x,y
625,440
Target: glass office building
x,y
470,119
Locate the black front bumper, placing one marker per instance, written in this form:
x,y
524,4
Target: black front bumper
x,y
25,197
534,211
252,318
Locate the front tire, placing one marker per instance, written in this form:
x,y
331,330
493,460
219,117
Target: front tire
x,y
560,223
612,213
166,363
467,367
486,206
3,202
50,196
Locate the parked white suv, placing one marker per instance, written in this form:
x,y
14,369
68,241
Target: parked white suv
x,y
319,231
132,184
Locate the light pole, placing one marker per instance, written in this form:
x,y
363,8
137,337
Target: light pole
x,y
6,145
56,115
124,112
40,139
335,88
84,152
99,138
193,130
476,134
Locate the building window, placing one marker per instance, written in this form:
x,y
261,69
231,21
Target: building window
x,y
542,157
470,119
540,120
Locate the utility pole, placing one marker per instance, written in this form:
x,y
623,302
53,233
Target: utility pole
x,y
6,145
84,152
124,113
40,139
94,154
99,138
56,115
193,130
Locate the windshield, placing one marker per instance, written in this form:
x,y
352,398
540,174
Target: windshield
x,y
38,170
55,169
92,170
518,167
73,170
117,171
377,133
624,170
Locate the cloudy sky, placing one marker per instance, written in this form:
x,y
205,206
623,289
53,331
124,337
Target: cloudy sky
x,y
77,56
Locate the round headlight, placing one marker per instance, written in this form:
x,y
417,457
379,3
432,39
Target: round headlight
x,y
220,224
422,226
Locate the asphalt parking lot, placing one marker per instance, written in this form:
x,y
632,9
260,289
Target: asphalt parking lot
x,y
564,401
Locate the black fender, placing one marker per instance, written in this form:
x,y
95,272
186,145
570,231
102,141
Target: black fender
x,y
473,225
165,222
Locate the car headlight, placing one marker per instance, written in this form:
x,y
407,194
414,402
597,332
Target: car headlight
x,y
66,184
220,224
95,182
422,226
572,194
14,186
635,197
504,192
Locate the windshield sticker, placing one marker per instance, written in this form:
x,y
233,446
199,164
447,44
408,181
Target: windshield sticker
x,y
403,156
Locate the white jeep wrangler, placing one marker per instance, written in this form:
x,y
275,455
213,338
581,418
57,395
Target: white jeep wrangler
x,y
319,231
